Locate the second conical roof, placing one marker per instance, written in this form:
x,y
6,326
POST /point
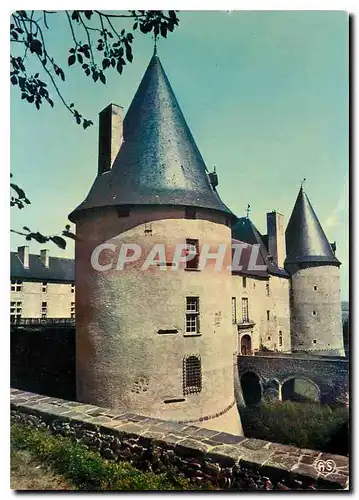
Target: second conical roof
x,y
305,238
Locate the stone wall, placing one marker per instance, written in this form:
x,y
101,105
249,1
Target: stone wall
x,y
58,297
330,375
227,461
264,330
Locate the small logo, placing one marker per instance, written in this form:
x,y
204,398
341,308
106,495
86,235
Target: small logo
x,y
325,467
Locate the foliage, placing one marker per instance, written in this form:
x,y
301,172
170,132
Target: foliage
x,y
86,469
306,425
97,44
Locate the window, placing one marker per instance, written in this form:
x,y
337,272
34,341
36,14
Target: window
x,y
268,315
244,282
315,287
192,315
314,313
72,309
267,290
44,310
15,311
245,317
192,374
191,213
16,286
314,341
72,287
254,285
193,250
44,287
280,339
269,338
234,311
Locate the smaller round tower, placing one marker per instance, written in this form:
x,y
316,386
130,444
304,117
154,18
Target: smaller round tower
x,y
315,284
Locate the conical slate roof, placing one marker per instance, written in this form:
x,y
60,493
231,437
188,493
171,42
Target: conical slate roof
x,y
305,238
159,162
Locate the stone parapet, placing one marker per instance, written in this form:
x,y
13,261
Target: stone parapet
x,y
227,461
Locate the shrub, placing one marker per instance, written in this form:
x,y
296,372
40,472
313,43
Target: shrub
x,y
87,470
306,425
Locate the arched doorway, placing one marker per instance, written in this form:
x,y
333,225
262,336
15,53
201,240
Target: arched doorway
x,y
251,388
300,389
246,345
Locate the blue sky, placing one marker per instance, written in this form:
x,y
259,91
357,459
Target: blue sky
x,y
265,94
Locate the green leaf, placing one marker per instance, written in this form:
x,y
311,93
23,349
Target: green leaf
x,y
71,60
60,242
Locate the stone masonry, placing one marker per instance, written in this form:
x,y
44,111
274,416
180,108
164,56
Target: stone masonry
x,y
227,461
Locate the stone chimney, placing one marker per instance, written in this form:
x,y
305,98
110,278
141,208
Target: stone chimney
x,y
276,240
23,253
44,256
110,136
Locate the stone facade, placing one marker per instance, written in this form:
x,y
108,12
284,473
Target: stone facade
x,y
28,301
316,313
228,462
268,322
133,354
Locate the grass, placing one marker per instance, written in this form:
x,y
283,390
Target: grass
x,y
73,465
306,425
28,473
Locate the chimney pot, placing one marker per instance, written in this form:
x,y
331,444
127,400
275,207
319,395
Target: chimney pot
x,y
110,136
23,253
44,256
276,240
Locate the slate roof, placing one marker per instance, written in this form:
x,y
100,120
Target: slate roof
x,y
305,238
159,162
244,230
59,270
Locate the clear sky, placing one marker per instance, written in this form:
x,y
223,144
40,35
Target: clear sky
x,y
264,93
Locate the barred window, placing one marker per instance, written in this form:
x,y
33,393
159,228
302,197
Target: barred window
x,y
193,249
234,310
192,315
245,316
192,374
16,286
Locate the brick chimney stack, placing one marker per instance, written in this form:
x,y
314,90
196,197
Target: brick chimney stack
x,y
276,240
44,256
23,253
110,136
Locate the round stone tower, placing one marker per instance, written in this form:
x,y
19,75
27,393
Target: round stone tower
x,y
154,333
315,284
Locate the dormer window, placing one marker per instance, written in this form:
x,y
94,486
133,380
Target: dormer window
x,y
191,213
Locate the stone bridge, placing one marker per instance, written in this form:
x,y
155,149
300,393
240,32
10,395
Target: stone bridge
x,y
275,375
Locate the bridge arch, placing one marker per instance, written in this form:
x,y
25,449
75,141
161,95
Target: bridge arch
x,y
251,387
299,388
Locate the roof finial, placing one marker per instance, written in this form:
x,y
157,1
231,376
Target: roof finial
x,y
248,210
302,183
155,46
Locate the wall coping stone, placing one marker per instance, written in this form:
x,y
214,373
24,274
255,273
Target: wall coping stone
x,y
270,461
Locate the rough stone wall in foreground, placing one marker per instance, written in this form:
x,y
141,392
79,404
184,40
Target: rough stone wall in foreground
x,y
228,461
